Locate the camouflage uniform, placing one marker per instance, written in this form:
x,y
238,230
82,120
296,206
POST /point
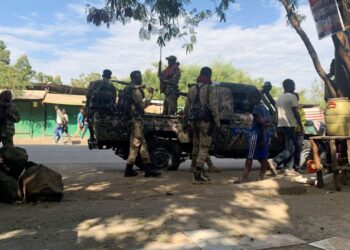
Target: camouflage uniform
x,y
137,138
9,116
171,93
202,130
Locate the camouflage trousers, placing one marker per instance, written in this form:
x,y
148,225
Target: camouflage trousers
x,y
201,143
138,143
170,104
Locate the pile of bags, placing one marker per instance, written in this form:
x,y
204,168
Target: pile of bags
x,y
23,180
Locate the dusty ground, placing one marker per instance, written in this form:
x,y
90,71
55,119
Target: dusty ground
x,y
103,210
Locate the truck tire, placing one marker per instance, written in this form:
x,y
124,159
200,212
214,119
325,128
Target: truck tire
x,y
165,155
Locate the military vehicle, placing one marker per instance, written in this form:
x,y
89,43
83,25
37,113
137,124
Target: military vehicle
x,y
169,143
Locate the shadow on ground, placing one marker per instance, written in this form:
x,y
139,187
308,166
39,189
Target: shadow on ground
x,y
103,210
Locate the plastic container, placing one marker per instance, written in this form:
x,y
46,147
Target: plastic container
x,y
338,117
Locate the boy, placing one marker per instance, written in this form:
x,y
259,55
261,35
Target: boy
x,y
259,137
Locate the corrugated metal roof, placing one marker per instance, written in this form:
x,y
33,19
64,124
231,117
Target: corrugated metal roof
x,y
33,95
76,100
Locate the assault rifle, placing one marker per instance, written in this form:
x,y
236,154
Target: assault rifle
x,y
128,84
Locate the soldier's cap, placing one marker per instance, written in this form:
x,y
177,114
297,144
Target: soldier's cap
x,y
171,58
267,84
107,73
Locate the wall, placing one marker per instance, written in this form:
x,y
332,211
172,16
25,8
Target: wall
x,y
40,121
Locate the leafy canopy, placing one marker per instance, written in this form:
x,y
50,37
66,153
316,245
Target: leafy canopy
x,y
165,19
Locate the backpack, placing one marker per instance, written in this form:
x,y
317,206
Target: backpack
x,y
196,112
102,97
124,104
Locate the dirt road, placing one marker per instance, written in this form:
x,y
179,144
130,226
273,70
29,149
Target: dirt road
x,y
103,210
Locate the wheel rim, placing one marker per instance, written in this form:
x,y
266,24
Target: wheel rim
x,y
160,158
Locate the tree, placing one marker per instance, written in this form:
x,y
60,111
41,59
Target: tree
x,y
341,41
24,72
84,80
165,19
57,80
222,72
43,78
4,54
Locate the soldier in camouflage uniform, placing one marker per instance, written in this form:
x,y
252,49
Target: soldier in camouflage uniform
x,y
202,111
138,142
169,85
110,97
9,115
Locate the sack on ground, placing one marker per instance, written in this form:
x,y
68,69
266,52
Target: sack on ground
x,y
8,188
39,183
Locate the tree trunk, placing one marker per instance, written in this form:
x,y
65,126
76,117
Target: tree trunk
x,y
296,25
341,42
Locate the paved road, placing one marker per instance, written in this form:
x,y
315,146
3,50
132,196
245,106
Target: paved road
x,y
73,154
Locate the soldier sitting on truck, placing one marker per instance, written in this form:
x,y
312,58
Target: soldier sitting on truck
x,y
101,94
132,100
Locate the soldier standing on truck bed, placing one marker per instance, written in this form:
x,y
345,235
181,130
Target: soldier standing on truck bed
x,y
134,102
169,85
201,109
9,115
99,90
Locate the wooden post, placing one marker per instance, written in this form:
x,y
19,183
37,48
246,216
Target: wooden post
x,y
335,169
318,165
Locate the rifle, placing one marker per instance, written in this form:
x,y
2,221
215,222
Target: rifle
x,y
136,87
162,85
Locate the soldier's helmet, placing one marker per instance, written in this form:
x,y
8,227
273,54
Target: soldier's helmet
x,y
107,74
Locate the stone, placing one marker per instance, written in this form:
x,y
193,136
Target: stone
x,y
335,243
8,188
39,183
209,239
15,159
269,241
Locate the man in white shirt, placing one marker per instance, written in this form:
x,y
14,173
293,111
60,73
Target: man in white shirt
x,y
288,119
58,133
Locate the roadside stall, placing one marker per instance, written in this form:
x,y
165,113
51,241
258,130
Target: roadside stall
x,y
337,141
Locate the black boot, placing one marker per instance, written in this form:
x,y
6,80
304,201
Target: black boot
x,y
129,172
151,171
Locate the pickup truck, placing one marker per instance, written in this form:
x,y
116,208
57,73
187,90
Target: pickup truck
x,y
169,144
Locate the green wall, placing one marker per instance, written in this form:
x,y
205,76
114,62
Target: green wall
x,y
40,121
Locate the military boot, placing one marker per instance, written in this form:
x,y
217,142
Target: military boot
x,y
129,172
199,177
151,171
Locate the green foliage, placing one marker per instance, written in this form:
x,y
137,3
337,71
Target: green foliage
x,y
43,78
21,74
165,19
84,80
222,72
24,72
4,54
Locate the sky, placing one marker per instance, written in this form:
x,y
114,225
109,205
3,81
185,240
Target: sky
x,y
256,38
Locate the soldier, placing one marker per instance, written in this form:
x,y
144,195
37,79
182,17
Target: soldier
x,y
169,85
97,87
9,115
202,111
138,143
